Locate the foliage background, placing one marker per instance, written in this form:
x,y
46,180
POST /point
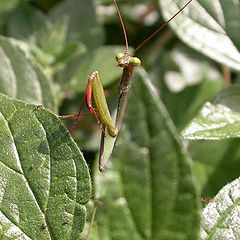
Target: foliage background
x,y
54,45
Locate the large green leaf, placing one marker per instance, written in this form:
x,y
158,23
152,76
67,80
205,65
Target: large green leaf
x,y
149,192
5,8
44,183
20,79
217,120
211,27
221,217
25,20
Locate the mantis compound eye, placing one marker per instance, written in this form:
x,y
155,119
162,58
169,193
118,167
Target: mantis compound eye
x,y
135,61
119,56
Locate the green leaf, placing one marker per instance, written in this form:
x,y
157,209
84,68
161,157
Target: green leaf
x,y
211,27
220,219
52,39
25,20
215,163
5,8
83,25
45,5
20,79
44,181
69,52
217,120
101,60
149,192
67,63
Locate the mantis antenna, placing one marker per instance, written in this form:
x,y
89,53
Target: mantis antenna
x,y
160,28
122,24
128,62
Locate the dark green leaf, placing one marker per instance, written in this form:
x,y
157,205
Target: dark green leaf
x,y
215,164
221,217
149,190
25,20
44,181
211,27
5,8
19,79
83,24
45,4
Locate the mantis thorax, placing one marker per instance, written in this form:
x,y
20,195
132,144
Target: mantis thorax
x,y
124,59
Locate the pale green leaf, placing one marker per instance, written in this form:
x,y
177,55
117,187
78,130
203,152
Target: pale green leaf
x,y
217,120
221,217
211,27
20,79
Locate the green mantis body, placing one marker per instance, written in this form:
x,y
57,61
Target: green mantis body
x,y
127,61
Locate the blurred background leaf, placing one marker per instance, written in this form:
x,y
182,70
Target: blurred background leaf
x,y
20,79
82,22
215,164
211,27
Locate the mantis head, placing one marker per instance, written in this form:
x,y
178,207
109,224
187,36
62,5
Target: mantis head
x,y
124,59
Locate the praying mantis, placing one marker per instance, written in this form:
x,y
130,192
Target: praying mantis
x,y
94,88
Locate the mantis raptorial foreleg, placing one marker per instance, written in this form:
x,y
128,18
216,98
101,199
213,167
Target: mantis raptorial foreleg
x,y
102,115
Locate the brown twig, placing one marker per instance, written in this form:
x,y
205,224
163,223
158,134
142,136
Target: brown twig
x,y
227,75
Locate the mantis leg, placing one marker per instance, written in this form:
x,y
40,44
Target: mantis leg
x,y
101,114
95,88
88,100
101,162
